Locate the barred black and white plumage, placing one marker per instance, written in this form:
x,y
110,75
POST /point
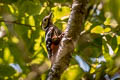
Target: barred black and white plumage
x,y
52,36
49,35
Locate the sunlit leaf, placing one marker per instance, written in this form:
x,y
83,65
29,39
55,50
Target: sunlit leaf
x,y
105,51
43,76
15,40
29,33
31,21
97,29
59,12
116,50
23,20
107,21
11,8
88,25
7,55
107,29
1,60
92,70
118,40
38,60
74,72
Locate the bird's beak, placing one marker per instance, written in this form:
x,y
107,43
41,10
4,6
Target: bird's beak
x,y
50,15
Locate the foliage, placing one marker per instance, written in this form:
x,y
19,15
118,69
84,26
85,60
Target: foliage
x,y
22,43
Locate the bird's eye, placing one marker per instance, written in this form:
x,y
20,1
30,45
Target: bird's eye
x,y
45,19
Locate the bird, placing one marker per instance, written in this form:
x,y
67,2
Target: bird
x,y
53,36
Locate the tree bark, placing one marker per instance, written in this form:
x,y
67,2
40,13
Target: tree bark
x,y
70,39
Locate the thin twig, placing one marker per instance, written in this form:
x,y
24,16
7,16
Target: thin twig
x,y
15,22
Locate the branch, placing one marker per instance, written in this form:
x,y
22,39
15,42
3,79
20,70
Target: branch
x,y
70,39
15,22
37,71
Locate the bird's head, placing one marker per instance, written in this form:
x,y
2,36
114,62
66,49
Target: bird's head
x,y
46,21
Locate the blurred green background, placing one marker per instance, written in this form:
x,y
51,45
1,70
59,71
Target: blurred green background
x,y
23,54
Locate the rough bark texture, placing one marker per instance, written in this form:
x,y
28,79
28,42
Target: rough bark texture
x,y
70,39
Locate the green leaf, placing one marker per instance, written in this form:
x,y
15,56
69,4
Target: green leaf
x,y
118,40
31,21
28,7
11,8
6,70
97,29
7,55
107,21
88,25
100,72
105,50
72,73
60,12
107,29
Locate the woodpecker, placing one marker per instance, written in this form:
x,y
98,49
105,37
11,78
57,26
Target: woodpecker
x,y
53,36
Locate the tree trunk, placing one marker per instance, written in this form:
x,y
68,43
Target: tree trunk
x,y
70,39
